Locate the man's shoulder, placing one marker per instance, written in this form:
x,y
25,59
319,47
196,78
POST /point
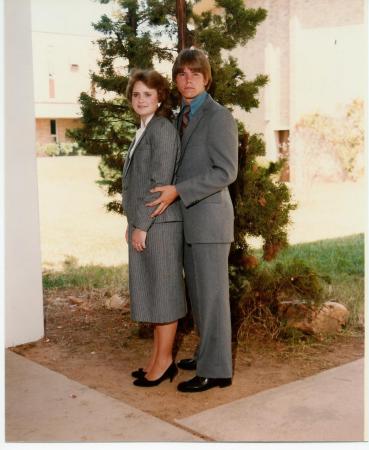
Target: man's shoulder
x,y
216,110
214,106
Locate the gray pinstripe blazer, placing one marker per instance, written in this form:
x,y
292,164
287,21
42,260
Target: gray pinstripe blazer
x,y
152,164
207,166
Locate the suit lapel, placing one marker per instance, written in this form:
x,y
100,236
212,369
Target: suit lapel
x,y
195,121
177,122
192,125
128,160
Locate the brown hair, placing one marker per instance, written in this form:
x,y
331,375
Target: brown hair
x,y
195,59
153,80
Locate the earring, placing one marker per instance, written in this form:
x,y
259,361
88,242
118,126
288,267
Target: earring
x,y
159,104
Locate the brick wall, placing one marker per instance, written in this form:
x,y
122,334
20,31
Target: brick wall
x,y
63,124
43,134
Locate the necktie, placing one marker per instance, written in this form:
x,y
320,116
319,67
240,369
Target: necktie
x,y
185,119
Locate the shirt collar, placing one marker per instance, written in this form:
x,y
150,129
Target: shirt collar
x,y
196,103
144,125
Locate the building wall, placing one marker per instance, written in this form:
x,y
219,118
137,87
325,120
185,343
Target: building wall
x,y
43,130
328,49
269,53
62,64
315,53
64,55
62,125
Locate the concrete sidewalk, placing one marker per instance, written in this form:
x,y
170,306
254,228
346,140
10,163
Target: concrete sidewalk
x,y
325,407
45,406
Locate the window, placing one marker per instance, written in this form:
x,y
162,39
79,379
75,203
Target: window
x,y
53,129
51,87
74,67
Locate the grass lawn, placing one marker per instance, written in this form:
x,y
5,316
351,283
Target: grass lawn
x,y
342,260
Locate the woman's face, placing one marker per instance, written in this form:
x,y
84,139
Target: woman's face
x,y
144,100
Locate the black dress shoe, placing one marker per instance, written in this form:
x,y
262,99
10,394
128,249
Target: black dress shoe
x,y
138,373
187,364
199,384
170,373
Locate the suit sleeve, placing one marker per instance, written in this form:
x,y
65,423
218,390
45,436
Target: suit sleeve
x,y
222,143
165,146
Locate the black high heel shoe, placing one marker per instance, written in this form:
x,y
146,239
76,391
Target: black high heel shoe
x,y
170,373
138,373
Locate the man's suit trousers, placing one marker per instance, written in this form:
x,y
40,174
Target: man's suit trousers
x,y
206,271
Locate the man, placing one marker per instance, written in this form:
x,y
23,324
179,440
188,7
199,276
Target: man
x,y
207,166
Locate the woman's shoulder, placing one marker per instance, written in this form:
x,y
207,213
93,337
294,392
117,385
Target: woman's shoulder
x,y
160,122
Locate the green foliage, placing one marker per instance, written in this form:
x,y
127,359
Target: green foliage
x,y
132,39
108,122
264,288
262,203
332,269
269,283
63,149
86,277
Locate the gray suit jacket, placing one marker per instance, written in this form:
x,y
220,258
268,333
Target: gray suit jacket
x,y
207,166
152,164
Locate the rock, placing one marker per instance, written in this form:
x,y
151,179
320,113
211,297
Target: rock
x,y
75,300
56,300
331,317
327,319
116,302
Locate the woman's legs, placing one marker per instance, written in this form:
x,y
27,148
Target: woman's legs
x,y
154,352
164,335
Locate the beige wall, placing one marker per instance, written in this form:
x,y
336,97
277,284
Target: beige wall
x,y
23,283
328,71
54,57
64,53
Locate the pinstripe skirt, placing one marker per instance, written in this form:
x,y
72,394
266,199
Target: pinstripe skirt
x,y
156,281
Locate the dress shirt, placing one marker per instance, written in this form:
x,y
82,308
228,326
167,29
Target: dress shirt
x,y
139,133
195,103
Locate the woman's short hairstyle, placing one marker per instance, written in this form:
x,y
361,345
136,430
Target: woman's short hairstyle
x,y
195,59
153,80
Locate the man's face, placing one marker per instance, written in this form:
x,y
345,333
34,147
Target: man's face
x,y
190,83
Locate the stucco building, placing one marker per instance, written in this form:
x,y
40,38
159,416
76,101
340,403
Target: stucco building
x,y
63,57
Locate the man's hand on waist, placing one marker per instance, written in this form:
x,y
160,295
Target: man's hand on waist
x,y
168,195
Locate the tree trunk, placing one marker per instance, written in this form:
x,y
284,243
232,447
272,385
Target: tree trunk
x,y
181,22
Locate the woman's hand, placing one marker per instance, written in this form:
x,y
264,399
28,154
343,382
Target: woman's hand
x,y
139,239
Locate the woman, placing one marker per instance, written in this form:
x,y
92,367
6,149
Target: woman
x,y
155,244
